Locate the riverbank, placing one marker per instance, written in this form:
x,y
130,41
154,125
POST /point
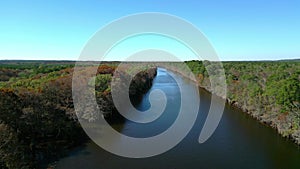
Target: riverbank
x,y
38,122
284,123
140,85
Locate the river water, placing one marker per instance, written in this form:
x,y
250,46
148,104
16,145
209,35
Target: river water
x,y
238,142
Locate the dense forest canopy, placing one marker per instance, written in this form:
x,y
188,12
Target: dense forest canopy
x,y
267,90
37,118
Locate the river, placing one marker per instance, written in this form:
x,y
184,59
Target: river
x,y
238,142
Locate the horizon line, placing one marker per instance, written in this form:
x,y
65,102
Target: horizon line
x,y
66,60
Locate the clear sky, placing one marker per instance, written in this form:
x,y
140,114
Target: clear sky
x,y
238,30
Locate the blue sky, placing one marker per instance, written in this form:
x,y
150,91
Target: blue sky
x,y
238,30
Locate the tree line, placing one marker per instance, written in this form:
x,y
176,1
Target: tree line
x,y
267,90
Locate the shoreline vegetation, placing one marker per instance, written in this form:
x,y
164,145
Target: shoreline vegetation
x,y
268,91
38,123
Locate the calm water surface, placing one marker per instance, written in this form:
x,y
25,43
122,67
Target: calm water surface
x,y
238,142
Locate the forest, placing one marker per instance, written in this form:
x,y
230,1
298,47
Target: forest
x,y
38,123
267,90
